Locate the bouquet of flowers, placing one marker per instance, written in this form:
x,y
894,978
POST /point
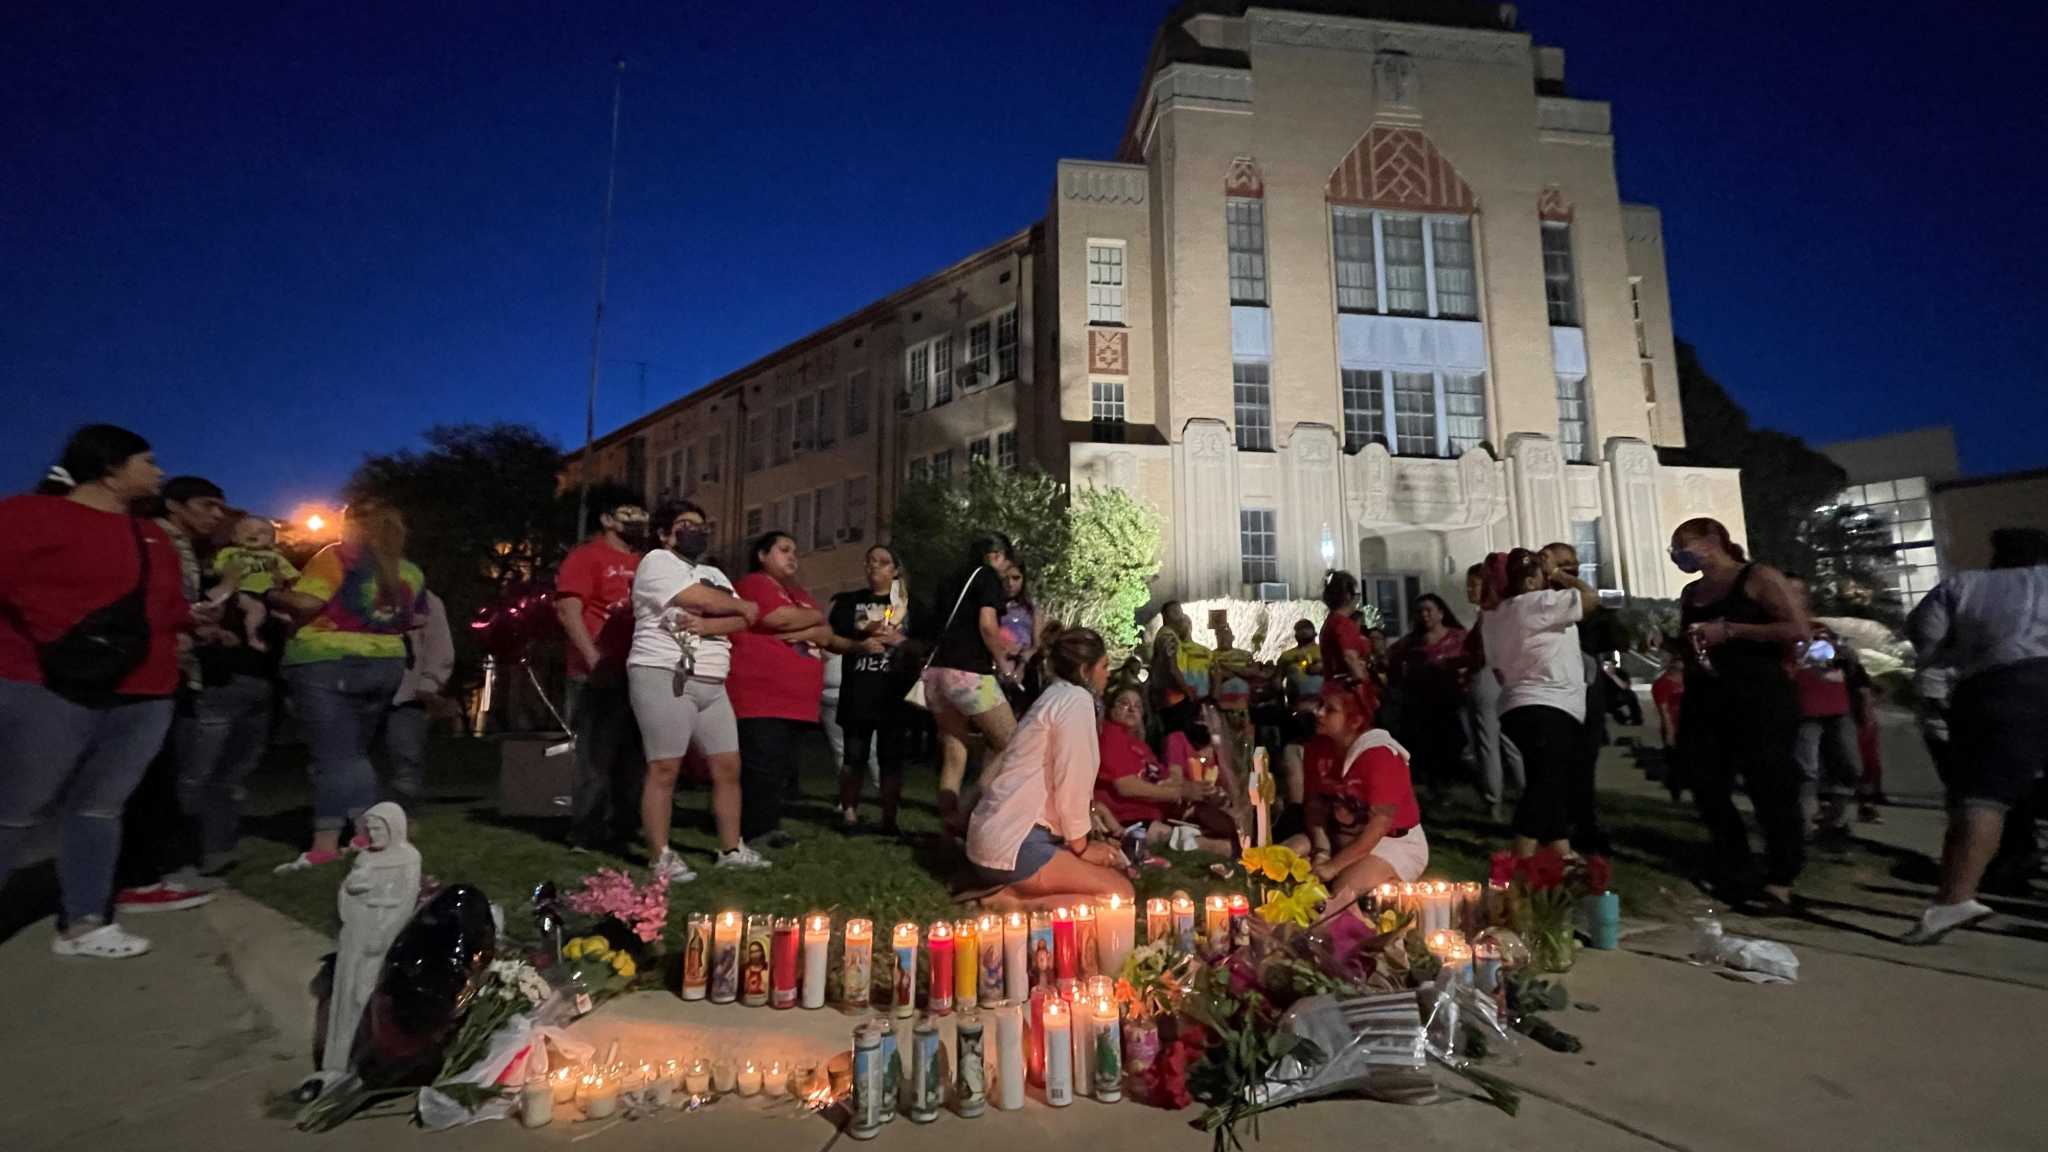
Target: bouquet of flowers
x,y
596,968
611,894
1292,892
1543,890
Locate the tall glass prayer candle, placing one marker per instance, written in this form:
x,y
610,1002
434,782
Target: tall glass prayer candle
x,y
970,1068
939,947
1496,903
1471,908
1096,987
988,938
782,975
1240,921
1486,966
1158,920
1035,1036
1441,894
1407,904
856,970
904,941
1080,1010
966,964
1016,964
1086,939
1066,952
870,1081
697,957
754,960
927,1086
1184,923
1107,1044
817,957
893,1065
1059,1053
1118,933
1041,950
1215,925
536,1102
725,958
1387,897
1009,1054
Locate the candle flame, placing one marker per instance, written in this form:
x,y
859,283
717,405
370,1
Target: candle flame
x,y
1238,902
988,923
1084,912
1015,920
940,930
1217,902
1116,902
728,918
821,923
858,928
1063,913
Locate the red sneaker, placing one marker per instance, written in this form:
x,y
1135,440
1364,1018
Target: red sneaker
x,y
160,897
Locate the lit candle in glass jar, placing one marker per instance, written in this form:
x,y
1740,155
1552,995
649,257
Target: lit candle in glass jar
x,y
697,956
1118,933
1158,920
904,941
775,1081
1240,921
1016,967
697,1078
599,1095
536,1102
988,936
1215,925
1059,1054
750,1078
725,958
563,1081
1086,940
817,954
856,970
755,962
939,946
1184,922
1107,1046
1065,950
966,964
782,970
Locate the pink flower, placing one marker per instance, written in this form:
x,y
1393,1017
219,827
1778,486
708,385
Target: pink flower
x,y
608,892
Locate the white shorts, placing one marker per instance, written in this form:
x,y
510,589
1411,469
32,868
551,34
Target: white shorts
x,y
1409,855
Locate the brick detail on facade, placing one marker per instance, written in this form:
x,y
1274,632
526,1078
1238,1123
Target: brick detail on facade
x,y
1552,205
1244,178
1109,352
1393,167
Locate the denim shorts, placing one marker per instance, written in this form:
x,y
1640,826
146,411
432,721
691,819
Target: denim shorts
x,y
1035,853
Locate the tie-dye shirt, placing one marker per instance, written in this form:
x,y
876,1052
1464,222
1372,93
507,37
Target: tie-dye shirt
x,y
352,621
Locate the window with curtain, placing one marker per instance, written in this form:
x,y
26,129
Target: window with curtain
x,y
1457,280
1560,291
1464,411
1107,401
1571,418
1252,391
857,404
1258,542
1415,414
1407,286
1006,345
1105,284
1365,415
1245,241
1357,274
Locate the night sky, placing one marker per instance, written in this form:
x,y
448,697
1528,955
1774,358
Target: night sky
x,y
273,238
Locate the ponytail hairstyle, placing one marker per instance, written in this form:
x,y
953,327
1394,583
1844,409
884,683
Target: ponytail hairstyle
x,y
1339,588
93,453
1521,565
1708,528
380,530
1071,652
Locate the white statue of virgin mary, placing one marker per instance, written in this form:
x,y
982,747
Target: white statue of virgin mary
x,y
376,899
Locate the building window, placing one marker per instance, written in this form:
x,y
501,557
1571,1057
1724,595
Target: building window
x,y
1559,290
1365,413
778,516
1252,392
942,370
1649,383
753,522
1245,240
828,415
1105,283
1108,401
714,457
806,423
857,404
1571,418
1258,540
857,508
1404,265
942,465
686,476
920,470
977,451
1006,449
980,356
1586,542
1416,399
800,520
917,369
661,475
785,433
757,442
1635,311
1901,507
827,528
1006,345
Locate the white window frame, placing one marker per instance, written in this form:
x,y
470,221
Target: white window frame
x,y
917,376
1107,402
1574,419
1593,569
1378,243
1251,396
1382,386
1108,269
1262,567
1565,302
942,465
1256,267
1006,344
1006,448
942,369
978,366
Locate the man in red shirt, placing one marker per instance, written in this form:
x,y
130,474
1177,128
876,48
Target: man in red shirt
x,y
594,600
1364,827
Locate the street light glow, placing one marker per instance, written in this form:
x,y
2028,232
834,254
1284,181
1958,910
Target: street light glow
x,y
315,522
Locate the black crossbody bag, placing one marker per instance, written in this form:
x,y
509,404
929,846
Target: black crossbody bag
x,y
88,662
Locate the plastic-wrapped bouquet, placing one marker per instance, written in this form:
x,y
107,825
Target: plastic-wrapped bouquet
x,y
609,893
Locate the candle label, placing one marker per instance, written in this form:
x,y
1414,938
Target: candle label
x,y
966,965
1089,945
1141,1046
782,975
754,971
892,1072
1241,930
697,957
725,970
927,1083
856,977
970,1088
1059,1067
1184,931
1108,1058
1158,922
1041,961
905,981
869,1082
992,963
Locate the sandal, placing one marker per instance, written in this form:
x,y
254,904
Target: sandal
x,y
106,942
305,860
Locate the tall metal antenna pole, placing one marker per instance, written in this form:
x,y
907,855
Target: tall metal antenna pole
x,y
604,255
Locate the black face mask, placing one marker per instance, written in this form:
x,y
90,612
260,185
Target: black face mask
x,y
634,533
691,542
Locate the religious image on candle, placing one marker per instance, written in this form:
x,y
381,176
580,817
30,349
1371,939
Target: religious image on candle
x,y
697,957
905,982
988,935
1016,957
856,976
1086,940
725,958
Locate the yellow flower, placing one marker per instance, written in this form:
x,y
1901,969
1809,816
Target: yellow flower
x,y
1277,909
1389,919
1254,860
623,965
573,950
1279,861
1300,871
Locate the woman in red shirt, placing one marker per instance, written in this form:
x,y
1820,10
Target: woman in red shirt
x,y
1347,652
64,558
1425,667
1134,787
1364,827
776,683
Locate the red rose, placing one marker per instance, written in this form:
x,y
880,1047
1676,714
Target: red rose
x,y
1542,871
1502,869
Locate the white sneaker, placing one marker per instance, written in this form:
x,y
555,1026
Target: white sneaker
x,y
670,869
1941,919
106,942
742,857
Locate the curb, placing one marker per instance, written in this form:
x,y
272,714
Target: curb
x,y
274,959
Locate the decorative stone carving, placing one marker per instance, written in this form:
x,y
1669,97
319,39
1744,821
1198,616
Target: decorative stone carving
x,y
1244,178
1314,504
1552,206
1109,352
1479,478
1302,31
1695,496
1583,117
1639,543
1205,519
1113,184
1376,485
1539,487
1224,85
377,897
1397,167
1394,79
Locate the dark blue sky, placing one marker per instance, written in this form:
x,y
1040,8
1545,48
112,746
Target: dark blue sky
x,y
274,238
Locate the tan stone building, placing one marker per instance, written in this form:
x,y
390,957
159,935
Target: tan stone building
x,y
1355,292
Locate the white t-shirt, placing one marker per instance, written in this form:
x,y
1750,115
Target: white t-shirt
x,y
662,574
1046,776
1533,641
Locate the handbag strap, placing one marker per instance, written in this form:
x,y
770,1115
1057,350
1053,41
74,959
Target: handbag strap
x,y
141,558
950,617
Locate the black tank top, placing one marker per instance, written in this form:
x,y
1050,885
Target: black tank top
x,y
1735,662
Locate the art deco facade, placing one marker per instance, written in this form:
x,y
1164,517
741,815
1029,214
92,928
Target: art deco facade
x,y
1355,292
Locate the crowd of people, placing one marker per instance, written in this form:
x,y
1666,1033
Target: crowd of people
x,y
147,631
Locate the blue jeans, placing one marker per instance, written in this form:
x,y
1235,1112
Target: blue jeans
x,y
59,756
405,753
218,745
340,704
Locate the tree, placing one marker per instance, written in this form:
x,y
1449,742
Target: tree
x,y
1091,553
1853,560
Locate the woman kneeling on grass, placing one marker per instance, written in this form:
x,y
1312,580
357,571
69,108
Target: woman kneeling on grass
x,y
1029,832
1364,827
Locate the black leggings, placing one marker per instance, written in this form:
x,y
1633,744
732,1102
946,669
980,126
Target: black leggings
x,y
768,752
1550,742
885,728
1726,731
